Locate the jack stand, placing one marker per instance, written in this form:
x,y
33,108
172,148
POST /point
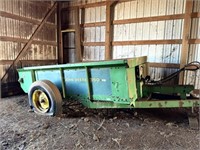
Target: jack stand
x,y
193,119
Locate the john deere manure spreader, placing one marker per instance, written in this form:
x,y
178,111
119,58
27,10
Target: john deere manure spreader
x,y
104,84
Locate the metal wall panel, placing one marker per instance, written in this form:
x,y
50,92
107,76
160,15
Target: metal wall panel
x,y
91,34
155,30
15,32
93,53
196,6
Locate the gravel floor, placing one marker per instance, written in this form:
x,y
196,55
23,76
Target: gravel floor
x,y
82,128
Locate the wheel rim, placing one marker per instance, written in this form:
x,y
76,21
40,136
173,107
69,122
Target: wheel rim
x,y
40,101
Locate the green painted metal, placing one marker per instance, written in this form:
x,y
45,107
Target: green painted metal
x,y
80,65
63,81
136,61
107,84
167,103
26,79
182,90
119,85
132,85
88,83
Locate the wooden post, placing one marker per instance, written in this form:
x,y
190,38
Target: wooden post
x,y
108,38
23,51
77,36
185,38
82,30
109,28
59,35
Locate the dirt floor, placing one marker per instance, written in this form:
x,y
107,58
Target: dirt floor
x,y
81,128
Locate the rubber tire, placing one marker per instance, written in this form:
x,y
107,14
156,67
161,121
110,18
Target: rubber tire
x,y
52,93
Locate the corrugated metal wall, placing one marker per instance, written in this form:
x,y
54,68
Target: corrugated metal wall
x,y
18,21
170,29
94,34
152,30
91,34
194,49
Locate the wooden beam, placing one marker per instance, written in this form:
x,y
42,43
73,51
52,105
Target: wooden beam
x,y
149,19
194,41
163,65
93,43
94,24
59,35
146,42
40,3
138,20
86,5
50,61
89,5
78,36
25,19
195,15
9,62
142,42
96,4
114,2
13,39
23,51
185,38
20,40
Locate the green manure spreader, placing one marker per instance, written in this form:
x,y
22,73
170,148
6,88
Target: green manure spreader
x,y
103,84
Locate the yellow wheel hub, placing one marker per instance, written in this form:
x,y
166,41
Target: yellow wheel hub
x,y
40,101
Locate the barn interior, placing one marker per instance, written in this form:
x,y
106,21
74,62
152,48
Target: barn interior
x,y
42,33
37,33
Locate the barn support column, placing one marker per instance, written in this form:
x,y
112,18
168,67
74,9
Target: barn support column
x,y
185,38
59,35
109,28
78,36
82,30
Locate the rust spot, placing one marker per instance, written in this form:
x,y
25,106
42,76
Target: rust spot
x,y
181,103
196,91
159,104
196,104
